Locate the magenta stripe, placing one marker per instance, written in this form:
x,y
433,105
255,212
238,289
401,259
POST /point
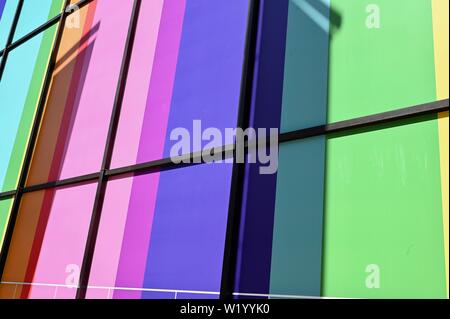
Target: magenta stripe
x,y
144,191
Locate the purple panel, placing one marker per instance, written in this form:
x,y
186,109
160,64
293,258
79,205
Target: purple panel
x,y
209,71
255,250
188,235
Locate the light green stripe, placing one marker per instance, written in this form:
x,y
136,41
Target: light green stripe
x,y
383,207
5,207
377,70
24,129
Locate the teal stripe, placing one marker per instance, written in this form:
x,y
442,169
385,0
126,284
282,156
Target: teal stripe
x,y
306,66
297,240
297,243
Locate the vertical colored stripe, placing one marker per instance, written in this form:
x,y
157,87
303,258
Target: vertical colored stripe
x,y
69,145
297,236
33,93
83,153
374,70
209,71
383,213
136,92
106,259
2,6
70,58
49,196
5,206
441,53
444,149
441,46
188,233
305,82
256,234
64,241
105,263
140,213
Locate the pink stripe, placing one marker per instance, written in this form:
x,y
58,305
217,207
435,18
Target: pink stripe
x,y
143,199
112,226
110,234
64,241
136,92
87,139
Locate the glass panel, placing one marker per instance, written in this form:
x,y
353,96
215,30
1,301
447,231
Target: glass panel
x,y
20,90
298,220
76,120
48,243
186,66
380,67
351,59
163,231
5,207
35,13
305,81
444,147
7,11
383,215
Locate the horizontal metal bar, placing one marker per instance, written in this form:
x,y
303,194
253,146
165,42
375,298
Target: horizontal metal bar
x,y
62,183
7,195
228,151
371,120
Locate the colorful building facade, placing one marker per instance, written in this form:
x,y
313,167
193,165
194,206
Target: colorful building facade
x,y
91,92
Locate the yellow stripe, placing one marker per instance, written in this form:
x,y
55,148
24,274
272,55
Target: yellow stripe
x,y
441,49
440,27
443,141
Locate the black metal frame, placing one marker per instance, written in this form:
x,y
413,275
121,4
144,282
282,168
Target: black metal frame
x,y
107,173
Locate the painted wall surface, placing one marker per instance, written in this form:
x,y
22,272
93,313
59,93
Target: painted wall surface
x,y
441,53
7,11
5,206
48,243
346,71
20,91
355,214
31,15
383,208
373,70
153,239
86,75
187,65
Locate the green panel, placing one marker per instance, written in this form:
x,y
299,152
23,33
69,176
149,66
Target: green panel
x,y
376,70
383,208
5,207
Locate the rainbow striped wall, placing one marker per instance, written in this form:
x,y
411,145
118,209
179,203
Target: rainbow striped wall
x,y
186,65
345,206
355,214
20,90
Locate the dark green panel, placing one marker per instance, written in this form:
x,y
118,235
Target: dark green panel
x,y
297,240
